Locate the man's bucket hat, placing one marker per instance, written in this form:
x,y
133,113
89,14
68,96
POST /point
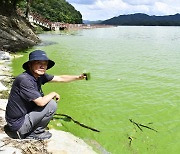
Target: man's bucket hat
x,y
38,55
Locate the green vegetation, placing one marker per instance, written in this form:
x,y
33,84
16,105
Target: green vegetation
x,y
53,10
8,7
140,19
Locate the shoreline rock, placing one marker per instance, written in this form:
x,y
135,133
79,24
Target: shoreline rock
x,y
60,143
16,33
5,74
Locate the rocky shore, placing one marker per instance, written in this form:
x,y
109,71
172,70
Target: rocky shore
x,y
60,143
16,33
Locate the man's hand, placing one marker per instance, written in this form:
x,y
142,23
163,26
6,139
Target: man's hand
x,y
81,77
57,96
41,101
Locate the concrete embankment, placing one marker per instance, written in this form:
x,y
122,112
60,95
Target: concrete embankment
x,y
60,143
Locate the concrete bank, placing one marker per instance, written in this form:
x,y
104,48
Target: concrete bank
x,y
60,143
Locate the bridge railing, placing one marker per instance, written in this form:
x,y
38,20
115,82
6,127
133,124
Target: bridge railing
x,y
40,20
37,19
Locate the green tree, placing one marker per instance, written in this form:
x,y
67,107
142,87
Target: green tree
x,y
28,7
8,7
57,11
54,10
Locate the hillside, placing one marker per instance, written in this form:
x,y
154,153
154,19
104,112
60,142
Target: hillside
x,y
55,10
18,34
140,19
92,22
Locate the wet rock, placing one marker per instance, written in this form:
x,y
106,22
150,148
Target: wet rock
x,y
4,55
64,142
2,87
16,34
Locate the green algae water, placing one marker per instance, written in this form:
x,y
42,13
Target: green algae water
x,y
135,74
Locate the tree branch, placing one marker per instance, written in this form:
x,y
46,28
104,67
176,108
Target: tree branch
x,y
69,117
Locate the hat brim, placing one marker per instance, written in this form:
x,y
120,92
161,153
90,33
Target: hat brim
x,y
50,64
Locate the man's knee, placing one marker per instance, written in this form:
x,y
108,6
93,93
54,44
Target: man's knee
x,y
52,105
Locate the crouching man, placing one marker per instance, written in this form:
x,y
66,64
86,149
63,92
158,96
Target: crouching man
x,y
29,111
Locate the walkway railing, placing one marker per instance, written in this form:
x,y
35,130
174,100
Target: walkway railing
x,y
35,18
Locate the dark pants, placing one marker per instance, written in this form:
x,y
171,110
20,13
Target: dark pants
x,y
37,120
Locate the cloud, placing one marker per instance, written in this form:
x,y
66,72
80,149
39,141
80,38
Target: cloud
x,y
84,2
166,7
139,2
105,9
111,8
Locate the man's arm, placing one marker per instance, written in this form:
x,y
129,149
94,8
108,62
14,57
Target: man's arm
x,y
42,101
67,78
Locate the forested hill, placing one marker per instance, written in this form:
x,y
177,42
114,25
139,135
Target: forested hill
x,y
17,33
140,19
55,10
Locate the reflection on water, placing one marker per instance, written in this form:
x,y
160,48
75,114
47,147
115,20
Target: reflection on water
x,y
46,43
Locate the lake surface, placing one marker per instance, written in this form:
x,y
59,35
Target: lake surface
x,y
135,74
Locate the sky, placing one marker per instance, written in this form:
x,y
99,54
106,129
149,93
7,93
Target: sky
x,y
106,9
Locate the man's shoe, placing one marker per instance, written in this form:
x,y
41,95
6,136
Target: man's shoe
x,y
41,136
12,134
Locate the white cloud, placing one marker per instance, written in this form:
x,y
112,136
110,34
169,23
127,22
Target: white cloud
x,y
105,9
161,8
139,2
84,2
